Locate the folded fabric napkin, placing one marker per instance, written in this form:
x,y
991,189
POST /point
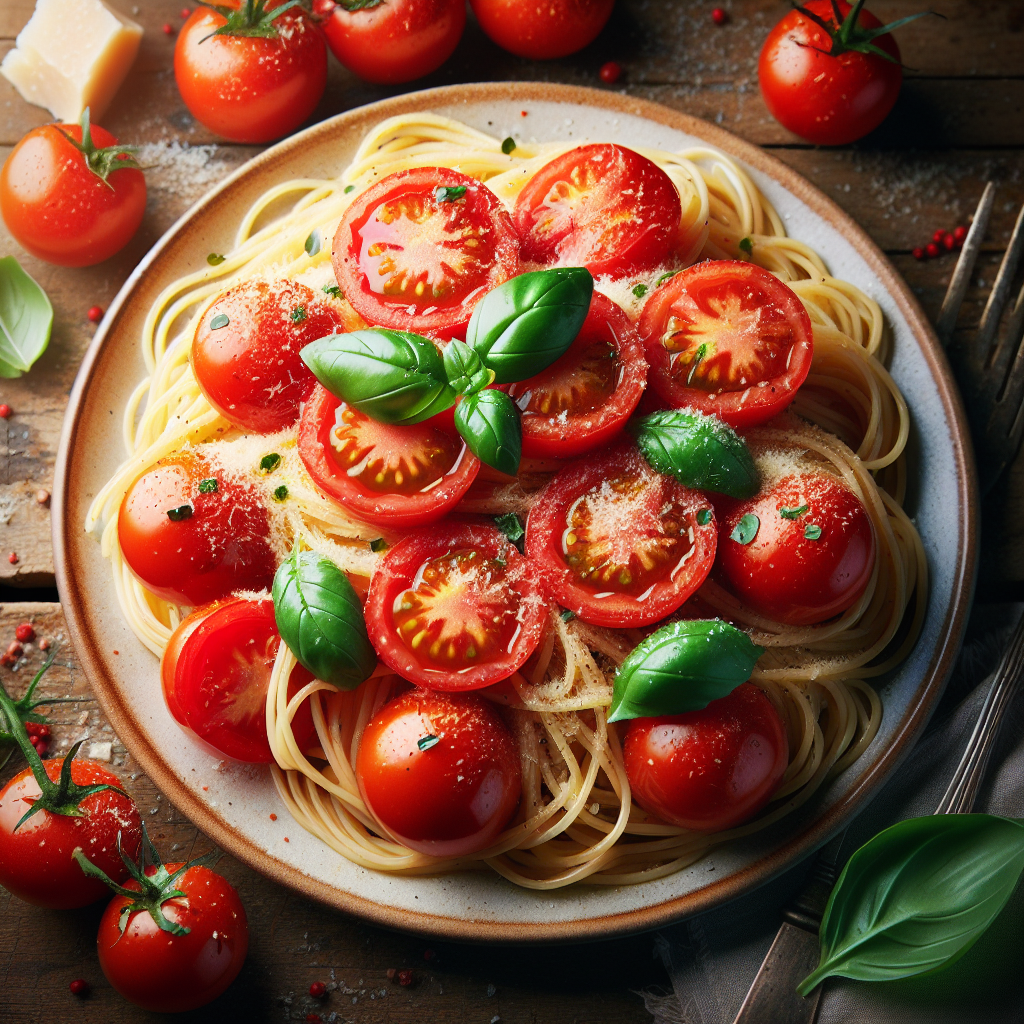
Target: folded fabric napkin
x,y
712,958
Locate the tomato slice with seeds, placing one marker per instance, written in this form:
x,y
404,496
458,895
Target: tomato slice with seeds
x,y
603,207
412,261
618,543
729,339
391,475
584,398
455,607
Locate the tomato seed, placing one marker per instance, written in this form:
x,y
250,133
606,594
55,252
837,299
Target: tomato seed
x,y
25,633
95,314
5,411
610,72
318,990
718,16
79,987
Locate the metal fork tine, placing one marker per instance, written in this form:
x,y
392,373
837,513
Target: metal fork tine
x,y
997,300
1013,393
946,323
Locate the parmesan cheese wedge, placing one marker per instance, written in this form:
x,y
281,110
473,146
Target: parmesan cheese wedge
x,y
72,54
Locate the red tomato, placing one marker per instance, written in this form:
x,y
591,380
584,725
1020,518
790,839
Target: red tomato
x,y
409,261
728,339
454,607
785,574
583,400
169,661
250,88
711,769
220,667
249,368
603,207
35,861
447,799
542,29
169,973
393,41
618,543
58,208
222,545
392,475
826,99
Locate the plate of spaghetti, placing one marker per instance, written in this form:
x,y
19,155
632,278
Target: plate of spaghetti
x,y
516,519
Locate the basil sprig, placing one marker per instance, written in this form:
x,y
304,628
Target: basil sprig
x,y
466,371
489,422
699,451
320,618
683,666
917,895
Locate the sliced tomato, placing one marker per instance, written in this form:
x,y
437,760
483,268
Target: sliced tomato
x,y
221,676
390,475
618,543
583,399
729,339
414,258
455,607
603,207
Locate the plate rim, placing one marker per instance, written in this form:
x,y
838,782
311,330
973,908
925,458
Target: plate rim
x,y
95,665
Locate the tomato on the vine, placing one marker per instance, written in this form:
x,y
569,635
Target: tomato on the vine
x,y
392,41
542,31
253,76
440,771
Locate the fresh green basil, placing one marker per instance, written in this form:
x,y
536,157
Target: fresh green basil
x,y
682,667
512,526
524,325
699,451
320,618
640,290
215,259
219,321
466,373
428,741
917,896
812,531
489,422
208,486
449,193
747,245
508,145
794,512
392,376
313,242
378,545
746,529
26,319
270,462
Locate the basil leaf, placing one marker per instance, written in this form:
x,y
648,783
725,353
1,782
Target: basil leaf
x,y
320,618
392,376
699,451
489,422
466,373
917,895
746,529
683,666
26,318
793,513
511,525
812,531
313,243
449,193
524,325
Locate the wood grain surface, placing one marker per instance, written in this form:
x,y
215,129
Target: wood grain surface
x,y
959,122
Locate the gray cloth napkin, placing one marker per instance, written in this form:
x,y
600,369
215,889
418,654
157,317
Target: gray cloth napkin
x,y
712,958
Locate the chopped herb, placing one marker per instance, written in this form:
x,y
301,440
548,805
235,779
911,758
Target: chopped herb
x,y
215,259
501,561
567,616
349,188
812,531
508,145
428,741
332,289
298,314
704,517
640,290
270,462
664,277
219,321
281,493
510,525
176,515
449,193
378,545
208,486
747,246
793,513
698,358
746,529
313,243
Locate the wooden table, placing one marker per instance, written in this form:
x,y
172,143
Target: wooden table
x,y
958,123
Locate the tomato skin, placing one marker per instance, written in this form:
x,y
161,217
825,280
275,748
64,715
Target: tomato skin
x,y
397,41
58,209
512,590
718,297
250,89
393,510
650,594
601,206
576,429
786,576
250,369
454,798
711,769
363,238
169,973
36,862
827,100
544,29
222,547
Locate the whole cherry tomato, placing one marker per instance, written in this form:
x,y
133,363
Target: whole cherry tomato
x,y
542,29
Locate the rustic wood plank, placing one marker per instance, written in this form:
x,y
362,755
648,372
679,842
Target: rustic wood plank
x,y
293,942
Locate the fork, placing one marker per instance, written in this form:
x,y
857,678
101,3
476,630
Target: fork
x,y
991,373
